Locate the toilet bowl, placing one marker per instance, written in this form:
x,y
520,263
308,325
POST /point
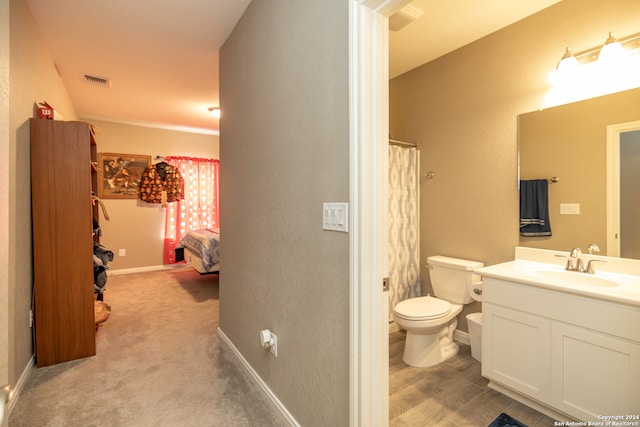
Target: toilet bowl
x,y
430,321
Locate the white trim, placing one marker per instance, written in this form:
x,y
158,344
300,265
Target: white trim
x,y
147,269
462,337
613,191
368,176
393,328
254,375
17,389
6,172
458,335
613,183
534,404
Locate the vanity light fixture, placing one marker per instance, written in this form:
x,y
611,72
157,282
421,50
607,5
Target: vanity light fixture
x,y
612,50
568,63
611,67
215,111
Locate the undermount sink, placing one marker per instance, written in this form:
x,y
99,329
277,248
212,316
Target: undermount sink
x,y
564,277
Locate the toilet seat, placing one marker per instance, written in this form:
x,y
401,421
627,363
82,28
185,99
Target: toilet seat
x,y
422,308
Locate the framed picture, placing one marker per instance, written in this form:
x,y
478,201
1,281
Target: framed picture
x,y
119,174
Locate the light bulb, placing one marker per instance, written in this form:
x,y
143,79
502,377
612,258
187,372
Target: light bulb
x,y
567,66
611,52
215,111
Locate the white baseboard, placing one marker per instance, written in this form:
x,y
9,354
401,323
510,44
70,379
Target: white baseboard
x,y
393,327
19,386
550,412
462,337
458,335
146,269
254,375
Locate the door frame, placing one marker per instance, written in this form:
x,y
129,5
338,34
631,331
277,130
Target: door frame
x,y
6,269
368,186
613,183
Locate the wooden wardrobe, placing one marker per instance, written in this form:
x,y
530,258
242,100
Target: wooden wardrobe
x,y
63,174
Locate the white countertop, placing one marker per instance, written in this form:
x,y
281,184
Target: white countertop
x,y
616,279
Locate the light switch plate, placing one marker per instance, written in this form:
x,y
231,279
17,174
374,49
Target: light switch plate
x,y
570,208
335,216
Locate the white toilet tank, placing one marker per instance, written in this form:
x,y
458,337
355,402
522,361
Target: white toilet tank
x,y
452,278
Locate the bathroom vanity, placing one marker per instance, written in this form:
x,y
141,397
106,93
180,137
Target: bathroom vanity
x,y
565,343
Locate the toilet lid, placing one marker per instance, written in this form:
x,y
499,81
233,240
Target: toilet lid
x,y
422,308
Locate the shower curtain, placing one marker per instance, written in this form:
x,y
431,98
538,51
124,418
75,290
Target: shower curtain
x,y
404,239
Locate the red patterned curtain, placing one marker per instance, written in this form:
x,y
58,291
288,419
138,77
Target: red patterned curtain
x,y
200,207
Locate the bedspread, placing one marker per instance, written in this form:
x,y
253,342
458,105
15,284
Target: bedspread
x,y
205,243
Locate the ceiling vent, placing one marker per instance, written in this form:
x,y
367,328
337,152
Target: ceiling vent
x,y
97,81
404,17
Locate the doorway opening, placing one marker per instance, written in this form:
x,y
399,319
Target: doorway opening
x,y
623,208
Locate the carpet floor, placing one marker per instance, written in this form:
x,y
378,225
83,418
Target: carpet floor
x,y
159,362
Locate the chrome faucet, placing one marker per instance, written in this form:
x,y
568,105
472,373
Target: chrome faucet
x,y
574,262
593,249
590,268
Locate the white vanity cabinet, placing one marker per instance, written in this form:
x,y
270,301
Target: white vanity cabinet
x,y
593,373
561,353
518,347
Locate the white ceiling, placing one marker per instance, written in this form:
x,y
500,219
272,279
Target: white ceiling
x,y
162,56
448,25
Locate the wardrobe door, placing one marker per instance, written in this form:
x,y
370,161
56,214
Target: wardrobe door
x,y
62,241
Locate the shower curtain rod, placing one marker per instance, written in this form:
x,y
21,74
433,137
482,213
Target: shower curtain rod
x,y
402,143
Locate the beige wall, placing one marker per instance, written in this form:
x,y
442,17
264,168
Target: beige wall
x,y
33,78
569,141
462,111
285,149
135,226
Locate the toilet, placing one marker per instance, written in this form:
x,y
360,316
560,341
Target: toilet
x,y
430,321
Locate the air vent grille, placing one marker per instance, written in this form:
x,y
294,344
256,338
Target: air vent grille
x,y
404,17
97,81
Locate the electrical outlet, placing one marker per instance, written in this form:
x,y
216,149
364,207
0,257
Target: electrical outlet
x,y
274,345
122,252
269,341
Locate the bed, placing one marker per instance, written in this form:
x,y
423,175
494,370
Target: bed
x,y
202,250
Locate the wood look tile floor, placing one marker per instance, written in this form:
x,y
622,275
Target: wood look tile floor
x,y
451,394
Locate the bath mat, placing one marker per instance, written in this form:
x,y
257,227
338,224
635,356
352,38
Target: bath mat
x,y
505,420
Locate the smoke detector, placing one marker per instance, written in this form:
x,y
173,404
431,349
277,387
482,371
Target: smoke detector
x,y
97,81
404,17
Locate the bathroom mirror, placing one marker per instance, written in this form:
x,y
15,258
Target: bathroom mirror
x,y
570,142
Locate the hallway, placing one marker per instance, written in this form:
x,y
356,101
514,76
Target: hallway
x,y
159,362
